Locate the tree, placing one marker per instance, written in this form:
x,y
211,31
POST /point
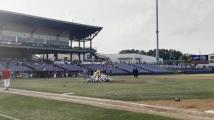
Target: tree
x,y
151,53
129,51
186,57
143,52
164,53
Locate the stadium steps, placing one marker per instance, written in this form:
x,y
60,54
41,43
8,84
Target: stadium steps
x,y
143,68
123,70
83,66
29,66
61,67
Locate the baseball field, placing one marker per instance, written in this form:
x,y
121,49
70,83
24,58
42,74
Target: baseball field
x,y
195,92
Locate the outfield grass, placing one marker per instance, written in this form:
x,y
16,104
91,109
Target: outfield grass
x,y
2,118
28,108
127,88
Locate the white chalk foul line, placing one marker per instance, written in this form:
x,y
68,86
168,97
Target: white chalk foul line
x,y
67,93
210,112
8,117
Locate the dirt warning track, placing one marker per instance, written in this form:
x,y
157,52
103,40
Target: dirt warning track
x,y
178,113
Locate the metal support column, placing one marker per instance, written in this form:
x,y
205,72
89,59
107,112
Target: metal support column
x,y
79,54
55,56
47,56
71,54
32,32
91,49
79,45
91,44
157,32
71,57
84,53
71,44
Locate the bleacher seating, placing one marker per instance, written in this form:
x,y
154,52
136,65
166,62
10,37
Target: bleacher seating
x,y
8,38
36,40
42,66
38,43
15,66
95,67
23,40
61,67
129,68
114,71
152,68
71,67
57,42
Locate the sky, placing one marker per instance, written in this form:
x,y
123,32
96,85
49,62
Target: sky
x,y
185,25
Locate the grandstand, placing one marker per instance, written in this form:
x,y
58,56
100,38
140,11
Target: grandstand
x,y
24,35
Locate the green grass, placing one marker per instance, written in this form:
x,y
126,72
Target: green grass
x,y
129,89
2,118
28,108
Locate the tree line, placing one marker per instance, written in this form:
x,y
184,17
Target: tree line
x,y
166,54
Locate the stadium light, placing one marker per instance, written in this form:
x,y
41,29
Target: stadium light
x,y
157,32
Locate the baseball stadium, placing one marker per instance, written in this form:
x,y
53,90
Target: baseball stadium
x,y
56,74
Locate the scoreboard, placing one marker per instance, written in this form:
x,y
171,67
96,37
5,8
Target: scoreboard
x,y
211,58
200,59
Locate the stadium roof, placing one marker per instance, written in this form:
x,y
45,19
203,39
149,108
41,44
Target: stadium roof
x,y
77,31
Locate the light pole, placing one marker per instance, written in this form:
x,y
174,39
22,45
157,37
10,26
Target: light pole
x,y
157,32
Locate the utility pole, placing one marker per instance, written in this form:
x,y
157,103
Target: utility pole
x,y
157,32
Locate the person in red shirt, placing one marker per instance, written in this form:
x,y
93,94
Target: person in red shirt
x,y
6,74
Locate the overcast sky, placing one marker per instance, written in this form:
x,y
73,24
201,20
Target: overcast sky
x,y
185,25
